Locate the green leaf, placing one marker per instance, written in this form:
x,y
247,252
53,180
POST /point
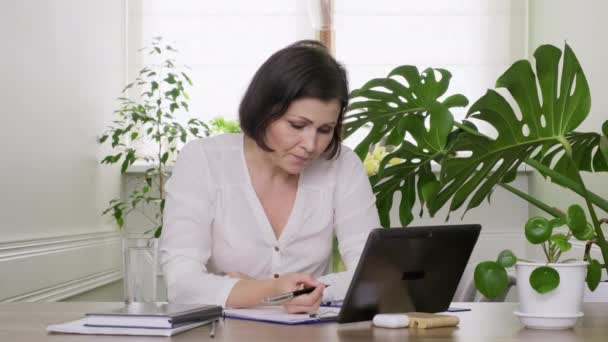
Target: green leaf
x,y
576,219
538,230
102,139
170,78
164,157
604,147
558,221
585,235
561,241
187,78
594,274
490,279
118,217
134,135
429,189
153,86
479,163
506,258
173,107
544,279
158,231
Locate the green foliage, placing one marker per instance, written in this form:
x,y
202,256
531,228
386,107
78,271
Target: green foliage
x,y
490,279
221,125
544,279
148,114
506,258
411,114
405,102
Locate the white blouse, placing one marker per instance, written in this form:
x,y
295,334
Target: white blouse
x,y
214,222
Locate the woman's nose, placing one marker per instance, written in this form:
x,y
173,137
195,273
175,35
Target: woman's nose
x,y
309,141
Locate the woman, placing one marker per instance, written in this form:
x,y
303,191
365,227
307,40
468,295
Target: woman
x,y
249,216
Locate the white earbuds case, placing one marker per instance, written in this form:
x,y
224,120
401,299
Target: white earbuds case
x,y
393,320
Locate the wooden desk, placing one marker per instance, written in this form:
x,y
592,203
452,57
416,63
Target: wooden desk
x,y
21,322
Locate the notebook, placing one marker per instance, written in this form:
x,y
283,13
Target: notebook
x,y
79,327
153,315
276,314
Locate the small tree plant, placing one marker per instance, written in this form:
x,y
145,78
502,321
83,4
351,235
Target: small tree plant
x,y
147,119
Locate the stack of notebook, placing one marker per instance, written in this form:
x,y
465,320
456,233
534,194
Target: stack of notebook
x,y
160,319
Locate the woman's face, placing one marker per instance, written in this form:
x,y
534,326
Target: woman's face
x,y
302,134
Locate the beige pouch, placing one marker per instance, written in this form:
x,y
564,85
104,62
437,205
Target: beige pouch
x,y
425,320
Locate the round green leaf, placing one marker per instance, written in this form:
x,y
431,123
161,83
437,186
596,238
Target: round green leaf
x,y
558,221
587,234
544,279
506,258
594,274
577,221
561,241
538,230
490,279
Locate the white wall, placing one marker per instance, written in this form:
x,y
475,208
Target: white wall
x,y
583,25
63,64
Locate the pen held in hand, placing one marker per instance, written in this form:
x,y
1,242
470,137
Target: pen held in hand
x,y
287,296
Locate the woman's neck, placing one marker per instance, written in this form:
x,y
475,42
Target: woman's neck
x,y
261,164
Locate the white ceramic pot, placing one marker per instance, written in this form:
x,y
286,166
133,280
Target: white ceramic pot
x,y
557,309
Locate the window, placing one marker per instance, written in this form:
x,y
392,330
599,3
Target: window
x,y
224,42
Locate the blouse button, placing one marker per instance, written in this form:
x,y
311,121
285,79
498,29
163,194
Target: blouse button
x,y
276,248
276,275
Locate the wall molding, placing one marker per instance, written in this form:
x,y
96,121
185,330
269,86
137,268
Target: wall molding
x,y
69,289
40,246
58,267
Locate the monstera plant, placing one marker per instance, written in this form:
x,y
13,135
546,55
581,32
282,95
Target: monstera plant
x,y
410,113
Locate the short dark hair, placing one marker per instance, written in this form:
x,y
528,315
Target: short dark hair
x,y
304,69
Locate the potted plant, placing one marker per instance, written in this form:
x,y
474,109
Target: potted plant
x,y
147,128
411,113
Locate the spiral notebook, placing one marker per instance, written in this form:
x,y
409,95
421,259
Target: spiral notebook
x,y
276,314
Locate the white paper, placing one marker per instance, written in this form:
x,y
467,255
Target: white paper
x,y
278,315
78,327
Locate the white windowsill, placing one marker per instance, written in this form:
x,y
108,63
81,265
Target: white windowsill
x,y
141,167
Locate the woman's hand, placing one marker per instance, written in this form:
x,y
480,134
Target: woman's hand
x,y
304,303
239,275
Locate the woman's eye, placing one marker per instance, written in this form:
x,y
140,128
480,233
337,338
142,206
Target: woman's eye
x,y
325,130
296,126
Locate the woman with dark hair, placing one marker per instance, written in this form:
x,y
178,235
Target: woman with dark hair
x,y
250,216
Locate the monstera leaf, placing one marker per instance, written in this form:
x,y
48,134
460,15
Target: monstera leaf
x,y
405,103
551,107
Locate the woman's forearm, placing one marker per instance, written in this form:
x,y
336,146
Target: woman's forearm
x,y
250,292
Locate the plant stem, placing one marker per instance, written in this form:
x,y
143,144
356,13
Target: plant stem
x,y
469,130
539,204
546,252
601,240
525,260
567,182
161,180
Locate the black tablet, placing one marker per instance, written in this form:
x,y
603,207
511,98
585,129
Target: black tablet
x,y
408,269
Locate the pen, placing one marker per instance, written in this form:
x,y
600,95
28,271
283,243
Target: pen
x,y
289,295
212,332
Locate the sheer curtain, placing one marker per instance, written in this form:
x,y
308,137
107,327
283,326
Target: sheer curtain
x,y
224,42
